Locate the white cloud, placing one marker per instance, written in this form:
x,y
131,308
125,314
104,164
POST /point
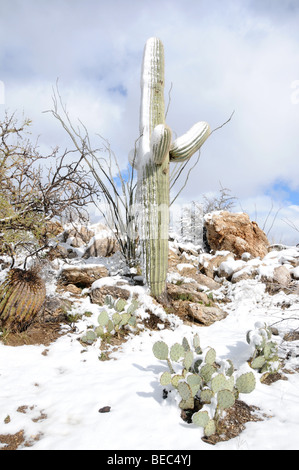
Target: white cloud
x,y
220,56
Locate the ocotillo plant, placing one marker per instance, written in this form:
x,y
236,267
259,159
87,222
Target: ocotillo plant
x,y
154,154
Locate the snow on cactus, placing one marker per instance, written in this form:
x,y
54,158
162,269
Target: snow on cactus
x,y
155,152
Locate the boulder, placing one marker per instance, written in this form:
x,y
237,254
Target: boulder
x,y
56,309
235,232
187,293
101,247
282,276
209,264
230,267
188,301
205,314
78,236
206,281
82,276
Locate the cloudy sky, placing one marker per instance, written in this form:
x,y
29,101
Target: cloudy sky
x,y
220,56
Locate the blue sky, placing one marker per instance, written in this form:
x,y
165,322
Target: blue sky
x,y
220,56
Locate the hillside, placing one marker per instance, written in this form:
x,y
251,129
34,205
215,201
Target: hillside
x,y
61,390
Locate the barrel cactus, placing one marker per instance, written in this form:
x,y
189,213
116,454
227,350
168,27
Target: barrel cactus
x,y
22,295
154,154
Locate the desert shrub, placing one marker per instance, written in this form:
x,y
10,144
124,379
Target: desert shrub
x,y
36,189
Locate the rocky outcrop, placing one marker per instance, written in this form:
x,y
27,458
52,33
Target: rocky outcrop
x,y
235,232
96,241
191,304
206,315
82,276
179,263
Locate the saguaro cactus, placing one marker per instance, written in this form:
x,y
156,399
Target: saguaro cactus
x,y
155,152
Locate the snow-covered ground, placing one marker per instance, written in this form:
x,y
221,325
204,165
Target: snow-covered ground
x,y
65,384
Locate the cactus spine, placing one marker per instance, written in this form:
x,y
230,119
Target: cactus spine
x,y
154,155
22,295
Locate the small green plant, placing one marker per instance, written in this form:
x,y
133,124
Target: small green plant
x,y
265,352
206,385
116,314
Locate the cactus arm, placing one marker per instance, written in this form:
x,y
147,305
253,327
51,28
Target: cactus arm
x,y
186,145
160,143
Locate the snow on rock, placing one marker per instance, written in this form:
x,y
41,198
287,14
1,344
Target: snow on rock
x,y
235,232
227,268
295,273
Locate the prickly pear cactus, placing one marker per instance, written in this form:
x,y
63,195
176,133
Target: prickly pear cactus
x,y
265,356
199,382
109,322
22,295
160,350
246,383
154,154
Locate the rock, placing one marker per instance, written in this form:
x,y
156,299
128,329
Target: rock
x,y
101,247
98,294
277,279
82,276
244,274
295,273
186,292
246,256
105,409
189,268
57,251
72,289
188,301
235,232
52,229
56,309
206,315
276,247
282,276
186,269
81,236
206,281
173,260
230,267
209,264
